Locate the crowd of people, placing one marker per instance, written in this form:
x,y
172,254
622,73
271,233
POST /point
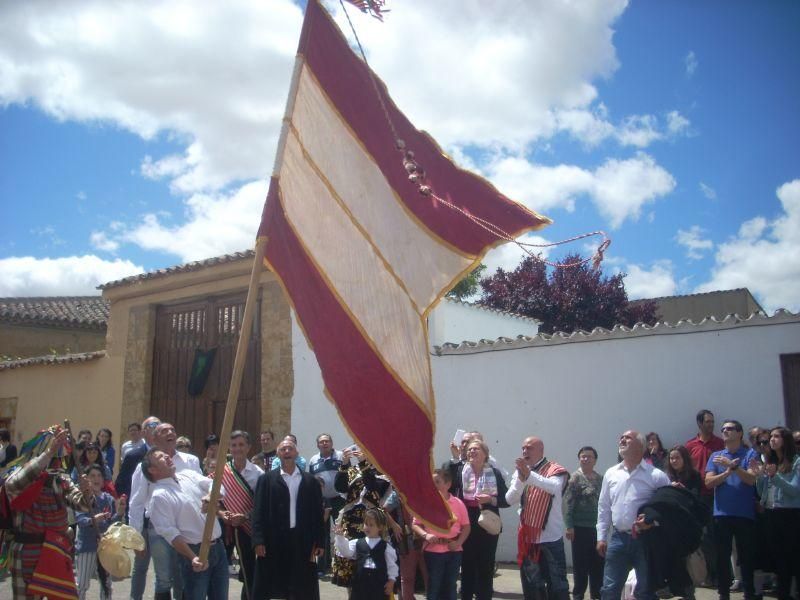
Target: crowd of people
x,y
724,509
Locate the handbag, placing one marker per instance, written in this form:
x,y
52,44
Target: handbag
x,y
490,521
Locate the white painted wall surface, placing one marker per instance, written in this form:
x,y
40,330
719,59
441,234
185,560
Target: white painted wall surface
x,y
453,321
583,393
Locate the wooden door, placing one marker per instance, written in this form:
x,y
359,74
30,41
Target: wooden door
x,y
205,324
790,372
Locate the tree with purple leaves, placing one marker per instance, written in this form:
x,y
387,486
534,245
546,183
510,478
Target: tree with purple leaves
x,y
565,299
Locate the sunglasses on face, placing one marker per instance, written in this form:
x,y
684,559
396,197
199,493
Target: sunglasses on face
x,y
153,424
729,429
763,442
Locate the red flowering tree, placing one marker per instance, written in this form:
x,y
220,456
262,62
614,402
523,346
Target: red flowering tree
x,y
565,299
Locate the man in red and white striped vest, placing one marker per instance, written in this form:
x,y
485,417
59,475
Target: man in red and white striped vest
x,y
240,479
539,485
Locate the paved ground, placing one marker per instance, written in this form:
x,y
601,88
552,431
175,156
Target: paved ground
x,y
506,585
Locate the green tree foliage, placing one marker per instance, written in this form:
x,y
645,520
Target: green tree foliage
x,y
468,286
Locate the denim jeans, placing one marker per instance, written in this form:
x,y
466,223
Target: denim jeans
x,y
165,564
443,570
625,552
548,574
211,583
139,574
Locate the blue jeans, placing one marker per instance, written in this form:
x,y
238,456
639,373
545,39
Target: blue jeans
x,y
443,570
211,583
623,554
139,574
165,564
548,574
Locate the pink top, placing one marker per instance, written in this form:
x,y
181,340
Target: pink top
x,y
462,519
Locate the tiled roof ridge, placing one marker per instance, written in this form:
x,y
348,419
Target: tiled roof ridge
x,y
51,359
184,268
85,312
506,313
617,332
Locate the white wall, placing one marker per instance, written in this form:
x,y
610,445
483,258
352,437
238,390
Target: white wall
x,y
578,393
453,321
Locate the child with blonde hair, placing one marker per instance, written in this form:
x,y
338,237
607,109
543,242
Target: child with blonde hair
x,y
376,560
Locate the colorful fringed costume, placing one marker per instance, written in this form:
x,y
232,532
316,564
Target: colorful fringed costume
x,y
41,562
366,488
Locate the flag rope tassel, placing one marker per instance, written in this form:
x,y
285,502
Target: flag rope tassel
x,y
416,175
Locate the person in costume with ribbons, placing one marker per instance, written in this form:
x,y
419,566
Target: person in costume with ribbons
x,y
39,492
240,479
538,484
364,487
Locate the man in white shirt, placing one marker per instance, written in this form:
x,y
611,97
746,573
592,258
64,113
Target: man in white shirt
x,y
287,530
177,514
626,486
240,480
540,484
165,560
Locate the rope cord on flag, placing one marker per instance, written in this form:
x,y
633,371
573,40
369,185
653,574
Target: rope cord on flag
x,y
416,174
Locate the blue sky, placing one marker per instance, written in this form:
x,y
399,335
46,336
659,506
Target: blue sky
x,y
138,137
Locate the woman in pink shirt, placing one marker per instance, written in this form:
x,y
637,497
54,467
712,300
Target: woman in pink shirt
x,y
443,552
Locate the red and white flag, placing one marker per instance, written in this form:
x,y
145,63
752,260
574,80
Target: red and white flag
x,y
364,257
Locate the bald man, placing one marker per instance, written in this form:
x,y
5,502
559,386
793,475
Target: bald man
x,y
287,530
539,484
626,486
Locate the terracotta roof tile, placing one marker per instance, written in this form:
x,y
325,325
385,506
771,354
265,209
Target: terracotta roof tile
x,y
85,312
186,268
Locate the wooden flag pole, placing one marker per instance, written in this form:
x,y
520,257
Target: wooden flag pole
x,y
233,394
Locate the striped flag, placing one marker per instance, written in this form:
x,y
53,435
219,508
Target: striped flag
x,y
364,256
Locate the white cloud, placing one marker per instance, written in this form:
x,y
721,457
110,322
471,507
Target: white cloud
x,y
691,63
215,224
508,256
215,76
592,127
692,240
677,124
657,281
708,191
618,188
623,187
67,276
763,256
639,131
101,241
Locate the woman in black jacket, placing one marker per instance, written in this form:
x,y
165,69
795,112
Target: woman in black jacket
x,y
681,471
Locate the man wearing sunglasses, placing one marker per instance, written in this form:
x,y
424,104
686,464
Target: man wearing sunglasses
x,y
731,473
